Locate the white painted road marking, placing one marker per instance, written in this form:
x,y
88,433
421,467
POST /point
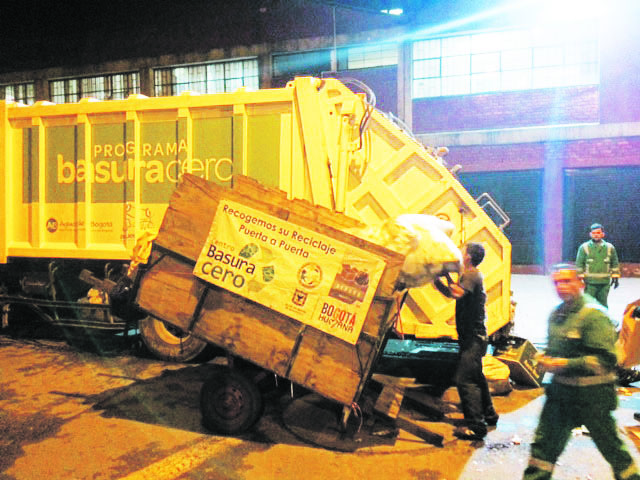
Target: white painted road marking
x,y
184,461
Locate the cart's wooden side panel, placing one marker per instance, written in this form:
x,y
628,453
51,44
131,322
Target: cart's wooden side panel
x,y
313,359
248,329
331,367
186,222
381,314
169,291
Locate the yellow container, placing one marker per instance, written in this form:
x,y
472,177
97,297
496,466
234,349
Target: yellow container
x,y
85,180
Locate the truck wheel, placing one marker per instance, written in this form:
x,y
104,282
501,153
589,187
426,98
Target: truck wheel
x,y
166,342
230,403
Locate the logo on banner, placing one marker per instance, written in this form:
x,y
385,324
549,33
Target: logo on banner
x,y
350,285
310,275
299,298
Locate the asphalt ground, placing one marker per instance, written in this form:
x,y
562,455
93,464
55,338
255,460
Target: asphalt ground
x,y
100,409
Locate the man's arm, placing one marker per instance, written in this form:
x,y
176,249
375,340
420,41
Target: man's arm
x,y
552,364
615,264
546,360
453,290
442,288
598,337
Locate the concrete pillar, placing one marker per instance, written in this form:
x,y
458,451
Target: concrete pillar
x,y
405,86
146,81
552,204
265,67
41,89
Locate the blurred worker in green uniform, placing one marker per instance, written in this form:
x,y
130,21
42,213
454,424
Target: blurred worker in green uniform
x,y
597,263
581,355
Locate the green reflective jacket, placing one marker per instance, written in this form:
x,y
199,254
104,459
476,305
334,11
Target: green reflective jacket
x,y
598,262
583,332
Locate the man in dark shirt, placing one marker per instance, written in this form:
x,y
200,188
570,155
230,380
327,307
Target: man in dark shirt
x,y
470,296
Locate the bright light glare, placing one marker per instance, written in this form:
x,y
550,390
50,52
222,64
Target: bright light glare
x,y
393,11
552,11
501,10
522,13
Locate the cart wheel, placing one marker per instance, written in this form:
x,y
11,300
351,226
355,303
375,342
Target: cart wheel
x,y
230,403
169,343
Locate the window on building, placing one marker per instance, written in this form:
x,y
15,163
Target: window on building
x,y
289,65
215,77
18,92
376,55
103,87
503,61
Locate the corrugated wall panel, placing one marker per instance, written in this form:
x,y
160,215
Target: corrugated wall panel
x,y
608,196
519,194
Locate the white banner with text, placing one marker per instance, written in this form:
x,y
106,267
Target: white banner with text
x,y
310,277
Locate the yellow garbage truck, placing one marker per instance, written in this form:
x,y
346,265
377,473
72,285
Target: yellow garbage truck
x,y
83,182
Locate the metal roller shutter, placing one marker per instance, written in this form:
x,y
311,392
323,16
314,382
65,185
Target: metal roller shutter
x,y
519,193
608,196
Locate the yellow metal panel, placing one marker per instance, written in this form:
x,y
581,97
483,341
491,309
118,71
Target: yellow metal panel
x,y
401,177
70,250
158,116
134,120
300,181
37,225
114,117
17,217
315,146
83,205
58,120
5,159
263,148
286,152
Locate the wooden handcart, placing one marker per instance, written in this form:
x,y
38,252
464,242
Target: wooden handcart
x,y
308,354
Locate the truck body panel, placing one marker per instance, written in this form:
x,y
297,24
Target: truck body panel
x,y
85,180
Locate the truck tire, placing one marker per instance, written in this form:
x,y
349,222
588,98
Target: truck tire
x,y
230,403
166,342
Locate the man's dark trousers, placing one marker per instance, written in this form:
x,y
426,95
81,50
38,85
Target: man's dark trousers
x,y
472,384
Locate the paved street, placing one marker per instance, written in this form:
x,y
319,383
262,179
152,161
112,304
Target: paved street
x,y
536,297
100,409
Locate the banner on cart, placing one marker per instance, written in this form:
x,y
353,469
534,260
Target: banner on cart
x,y
296,271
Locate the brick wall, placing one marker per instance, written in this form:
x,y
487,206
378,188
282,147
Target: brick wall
x,y
382,80
602,152
507,110
605,152
620,63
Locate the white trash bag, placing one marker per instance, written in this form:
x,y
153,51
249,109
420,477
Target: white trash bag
x,y
425,241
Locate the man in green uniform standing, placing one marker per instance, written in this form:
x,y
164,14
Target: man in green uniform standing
x,y
581,355
597,263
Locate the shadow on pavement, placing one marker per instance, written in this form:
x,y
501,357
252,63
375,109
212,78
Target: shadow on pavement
x,y
173,400
29,328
